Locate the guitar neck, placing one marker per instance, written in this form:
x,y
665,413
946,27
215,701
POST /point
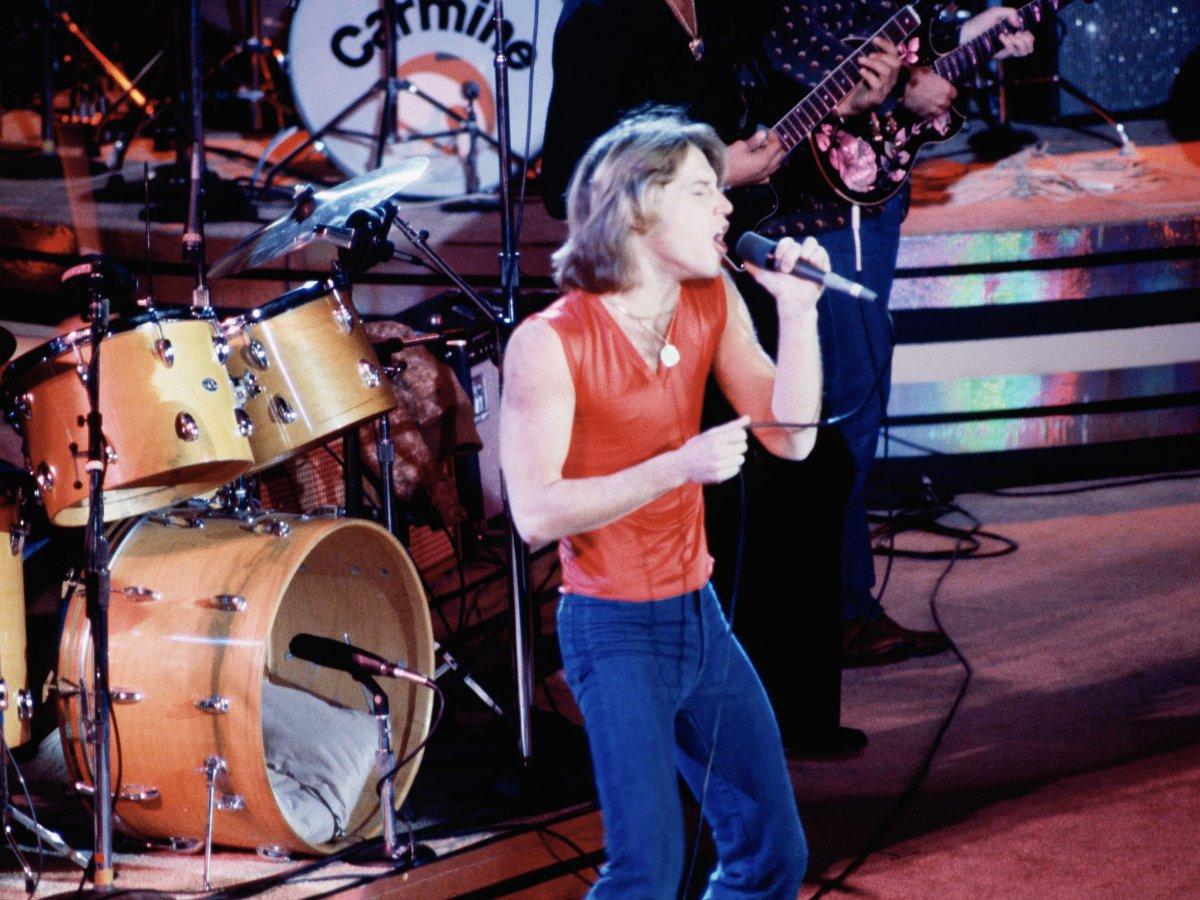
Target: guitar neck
x,y
968,58
795,127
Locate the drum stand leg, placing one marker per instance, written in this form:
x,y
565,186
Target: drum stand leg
x,y
10,814
213,767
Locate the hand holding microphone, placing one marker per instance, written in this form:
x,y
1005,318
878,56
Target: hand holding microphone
x,y
806,261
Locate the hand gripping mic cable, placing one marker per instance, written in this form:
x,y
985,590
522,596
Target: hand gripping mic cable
x,y
759,250
335,655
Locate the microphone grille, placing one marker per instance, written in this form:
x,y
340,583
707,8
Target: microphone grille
x,y
755,248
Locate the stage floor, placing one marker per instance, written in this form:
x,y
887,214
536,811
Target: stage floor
x,y
1071,768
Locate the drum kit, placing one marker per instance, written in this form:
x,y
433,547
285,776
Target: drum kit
x,y
224,733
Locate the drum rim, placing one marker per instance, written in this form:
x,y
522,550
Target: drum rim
x,y
293,299
27,362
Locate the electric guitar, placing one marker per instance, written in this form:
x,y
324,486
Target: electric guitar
x,y
868,159
754,203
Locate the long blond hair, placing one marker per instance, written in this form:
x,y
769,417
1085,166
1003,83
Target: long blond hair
x,y
607,198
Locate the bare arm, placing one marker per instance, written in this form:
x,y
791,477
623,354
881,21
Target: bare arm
x,y
536,415
755,386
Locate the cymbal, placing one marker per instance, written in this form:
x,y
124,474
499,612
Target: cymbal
x,y
332,206
8,344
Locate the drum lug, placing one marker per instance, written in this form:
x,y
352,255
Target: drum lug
x,y
81,372
176,844
281,410
165,351
137,793
245,425
186,427
369,373
24,705
126,696
256,354
342,317
216,704
246,387
16,540
229,603
141,594
273,527
23,405
221,348
273,852
231,802
44,476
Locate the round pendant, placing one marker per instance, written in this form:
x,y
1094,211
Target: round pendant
x,y
668,355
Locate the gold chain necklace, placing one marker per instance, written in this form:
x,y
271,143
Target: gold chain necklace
x,y
690,24
669,354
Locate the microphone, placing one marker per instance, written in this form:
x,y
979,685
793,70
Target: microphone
x,y
335,655
761,251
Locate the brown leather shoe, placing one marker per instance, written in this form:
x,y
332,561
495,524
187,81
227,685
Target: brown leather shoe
x,y
865,643
924,643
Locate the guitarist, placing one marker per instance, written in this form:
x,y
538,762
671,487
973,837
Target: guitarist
x,y
611,57
803,40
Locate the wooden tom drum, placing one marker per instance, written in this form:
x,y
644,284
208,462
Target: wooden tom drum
x,y
305,371
200,622
169,415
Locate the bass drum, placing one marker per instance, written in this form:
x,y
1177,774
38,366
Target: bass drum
x,y
334,56
200,673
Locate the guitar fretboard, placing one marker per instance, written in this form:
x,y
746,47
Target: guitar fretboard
x,y
795,127
971,56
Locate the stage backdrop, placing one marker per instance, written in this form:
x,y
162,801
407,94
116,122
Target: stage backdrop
x,y
1126,54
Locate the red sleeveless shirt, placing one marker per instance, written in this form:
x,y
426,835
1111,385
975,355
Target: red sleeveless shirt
x,y
625,413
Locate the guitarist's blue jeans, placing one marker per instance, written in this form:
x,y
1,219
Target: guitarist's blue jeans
x,y
856,350
656,681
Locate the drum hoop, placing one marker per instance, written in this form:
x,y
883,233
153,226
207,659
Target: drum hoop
x,y
26,363
293,299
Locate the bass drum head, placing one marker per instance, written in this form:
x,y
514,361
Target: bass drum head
x,y
199,626
335,56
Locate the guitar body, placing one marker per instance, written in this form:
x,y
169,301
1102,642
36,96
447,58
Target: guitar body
x,y
870,165
753,204
868,159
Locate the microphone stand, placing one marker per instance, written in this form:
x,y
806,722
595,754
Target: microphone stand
x,y
193,229
96,581
385,758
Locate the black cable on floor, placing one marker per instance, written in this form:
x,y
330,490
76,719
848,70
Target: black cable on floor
x,y
897,810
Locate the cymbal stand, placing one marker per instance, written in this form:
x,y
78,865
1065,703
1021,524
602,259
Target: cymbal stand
x,y
258,51
520,600
387,83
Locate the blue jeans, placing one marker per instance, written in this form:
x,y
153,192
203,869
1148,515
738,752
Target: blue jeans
x,y
856,351
651,680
